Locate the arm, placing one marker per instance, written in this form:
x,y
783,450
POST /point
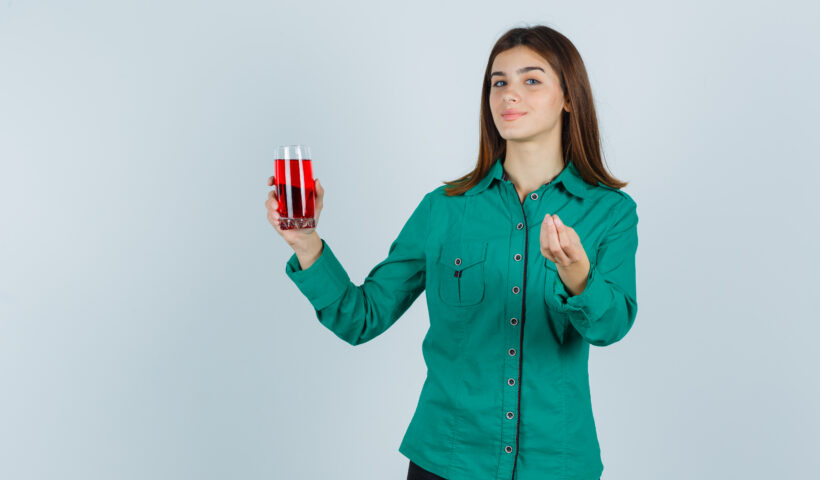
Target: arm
x,y
357,314
606,309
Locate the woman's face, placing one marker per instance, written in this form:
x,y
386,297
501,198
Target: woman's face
x,y
514,86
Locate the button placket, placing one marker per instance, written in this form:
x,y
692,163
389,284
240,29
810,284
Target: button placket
x,y
512,338
513,353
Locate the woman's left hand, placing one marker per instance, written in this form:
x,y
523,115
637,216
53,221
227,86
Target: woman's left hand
x,y
561,245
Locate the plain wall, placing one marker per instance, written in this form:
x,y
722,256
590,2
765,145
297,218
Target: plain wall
x,y
148,329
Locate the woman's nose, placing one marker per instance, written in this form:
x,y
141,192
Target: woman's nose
x,y
510,96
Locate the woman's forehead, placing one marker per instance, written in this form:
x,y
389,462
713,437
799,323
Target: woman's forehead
x,y
516,58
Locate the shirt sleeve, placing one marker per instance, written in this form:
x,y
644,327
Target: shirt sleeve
x,y
359,313
605,310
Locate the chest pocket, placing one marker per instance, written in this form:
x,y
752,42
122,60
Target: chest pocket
x,y
462,273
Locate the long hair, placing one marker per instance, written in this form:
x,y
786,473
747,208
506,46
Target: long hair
x,y
580,140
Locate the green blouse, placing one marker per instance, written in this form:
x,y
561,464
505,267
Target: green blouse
x,y
507,388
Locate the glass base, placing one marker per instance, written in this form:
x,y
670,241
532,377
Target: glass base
x,y
294,223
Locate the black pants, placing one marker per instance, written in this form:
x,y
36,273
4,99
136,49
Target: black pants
x,y
415,472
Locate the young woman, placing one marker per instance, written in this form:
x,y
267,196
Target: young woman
x,y
527,261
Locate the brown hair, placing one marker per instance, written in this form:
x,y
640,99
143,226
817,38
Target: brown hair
x,y
580,139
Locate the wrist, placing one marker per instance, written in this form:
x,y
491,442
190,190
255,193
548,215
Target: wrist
x,y
574,277
308,250
306,242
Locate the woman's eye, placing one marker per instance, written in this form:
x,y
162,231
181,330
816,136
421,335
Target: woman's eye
x,y
500,81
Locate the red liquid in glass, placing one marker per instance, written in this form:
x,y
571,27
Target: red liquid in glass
x,y
294,192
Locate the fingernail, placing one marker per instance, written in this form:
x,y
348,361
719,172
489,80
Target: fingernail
x,y
558,221
549,220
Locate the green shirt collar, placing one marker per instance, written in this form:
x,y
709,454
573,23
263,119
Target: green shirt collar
x,y
569,177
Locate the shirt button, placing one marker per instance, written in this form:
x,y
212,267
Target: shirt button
x,y
458,261
513,321
508,449
515,289
519,226
511,381
511,352
510,414
534,196
517,257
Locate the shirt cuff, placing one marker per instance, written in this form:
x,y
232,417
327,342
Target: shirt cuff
x,y
589,305
324,282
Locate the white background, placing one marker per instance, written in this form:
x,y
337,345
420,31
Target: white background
x,y
148,329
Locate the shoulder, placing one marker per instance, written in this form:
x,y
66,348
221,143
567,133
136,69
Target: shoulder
x,y
618,208
438,195
437,192
438,204
616,198
622,208
431,199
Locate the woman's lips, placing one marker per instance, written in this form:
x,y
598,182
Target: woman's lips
x,y
513,116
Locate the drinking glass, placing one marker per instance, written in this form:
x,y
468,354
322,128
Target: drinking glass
x,y
293,181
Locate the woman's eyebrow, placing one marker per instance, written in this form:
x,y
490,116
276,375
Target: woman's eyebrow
x,y
520,71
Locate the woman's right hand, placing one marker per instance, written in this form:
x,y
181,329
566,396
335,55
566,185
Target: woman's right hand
x,y
298,236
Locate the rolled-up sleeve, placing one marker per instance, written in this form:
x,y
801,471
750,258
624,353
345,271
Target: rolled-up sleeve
x,y
605,310
359,313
